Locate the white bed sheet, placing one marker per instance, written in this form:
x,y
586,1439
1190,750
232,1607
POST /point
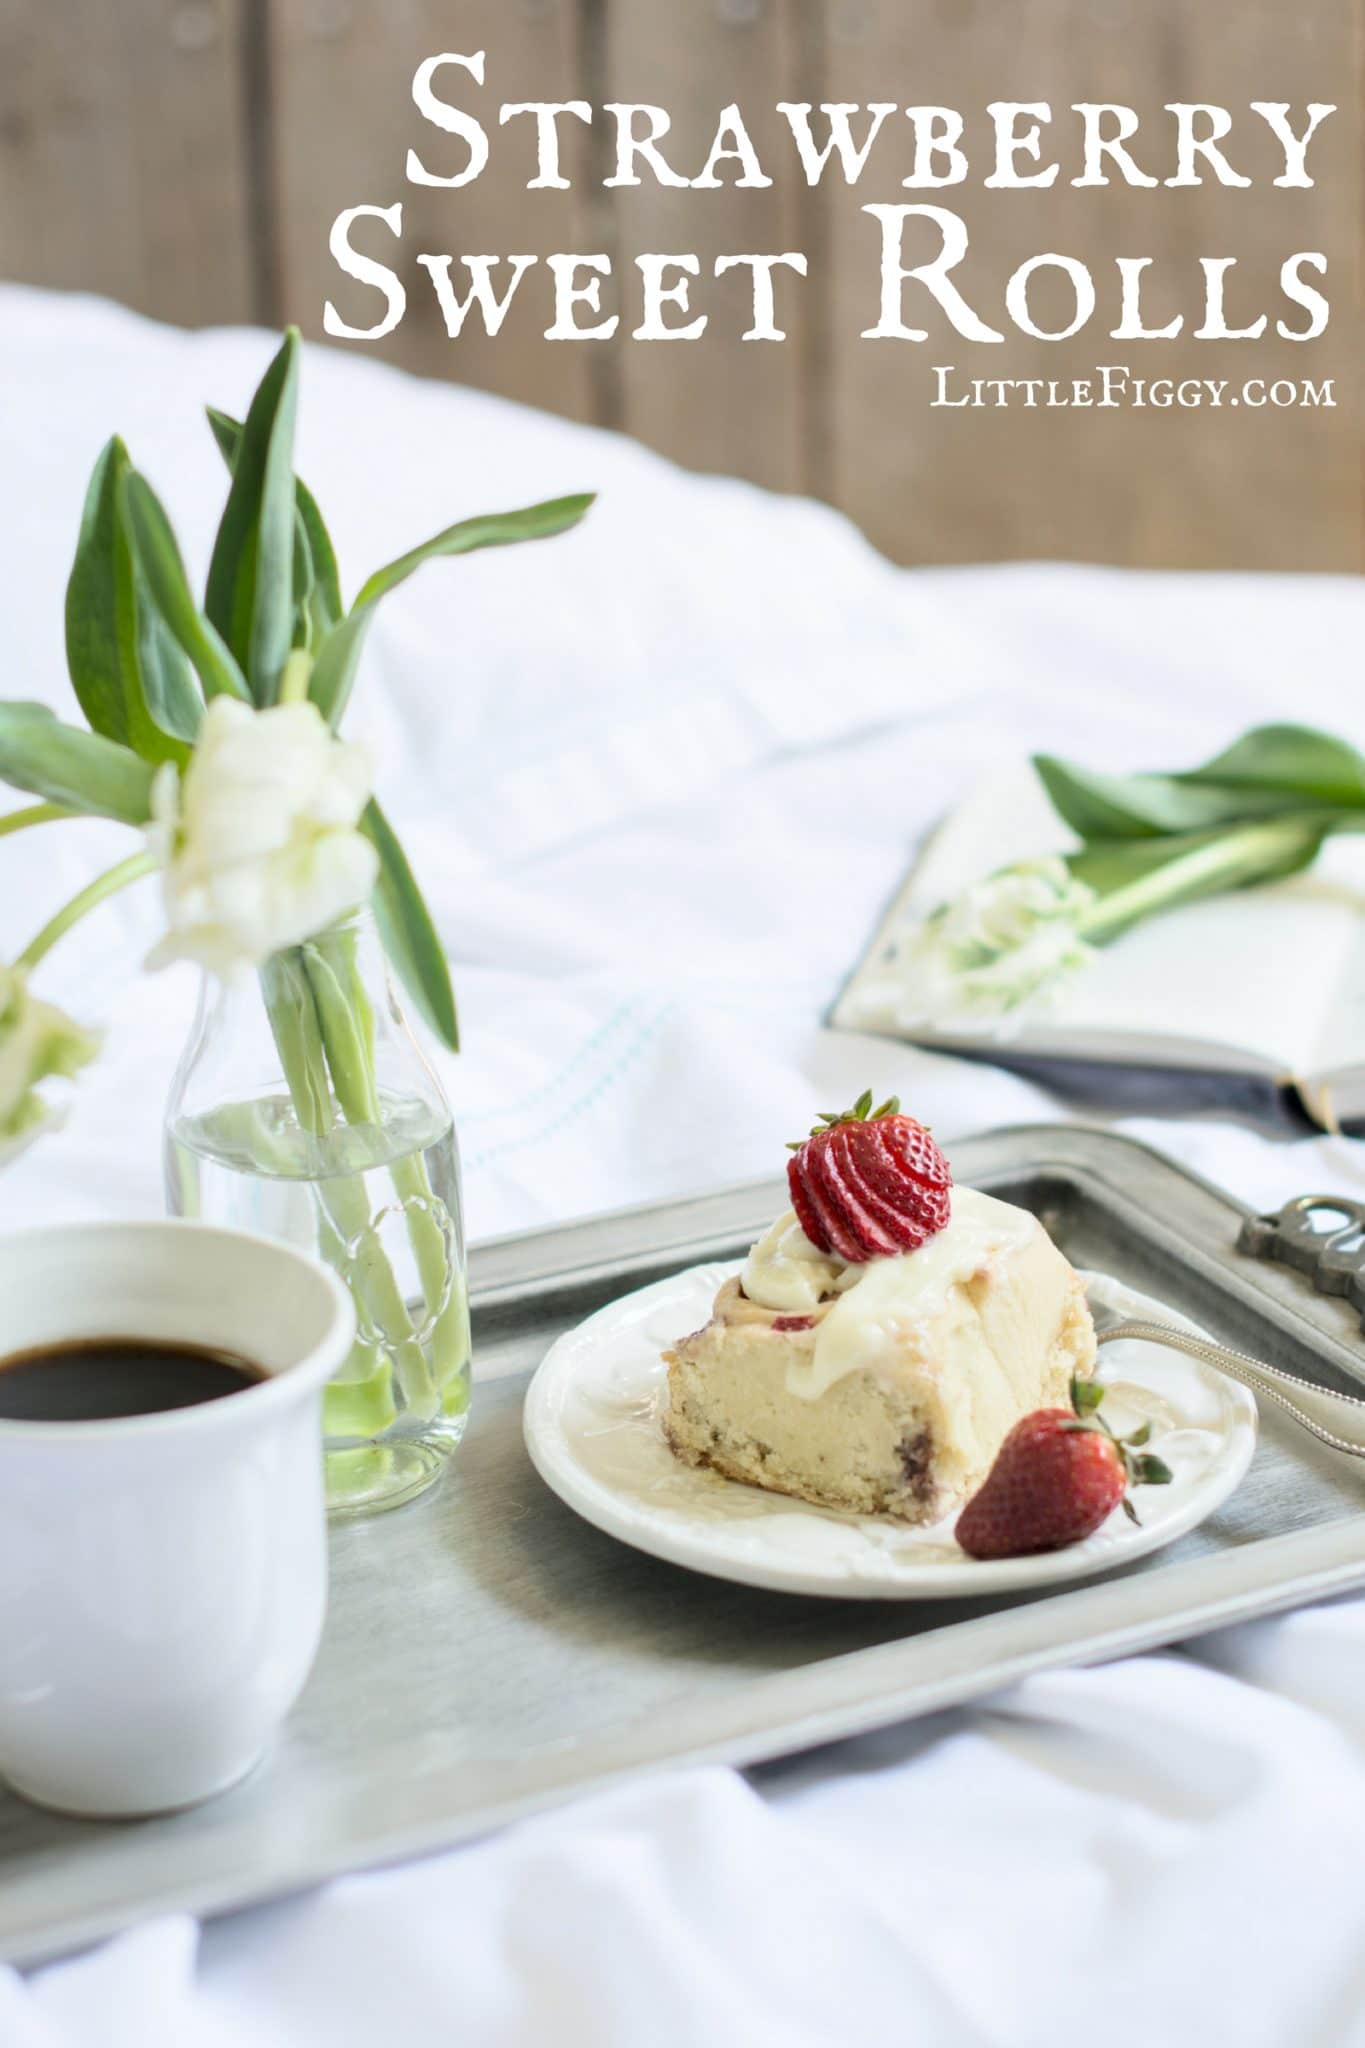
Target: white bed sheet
x,y
657,779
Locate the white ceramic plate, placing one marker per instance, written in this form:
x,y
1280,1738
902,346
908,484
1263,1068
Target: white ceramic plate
x,y
593,1430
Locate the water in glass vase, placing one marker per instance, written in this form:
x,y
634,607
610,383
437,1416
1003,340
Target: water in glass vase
x,y
380,1202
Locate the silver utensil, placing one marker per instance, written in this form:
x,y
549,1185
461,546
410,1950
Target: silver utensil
x,y
1337,1420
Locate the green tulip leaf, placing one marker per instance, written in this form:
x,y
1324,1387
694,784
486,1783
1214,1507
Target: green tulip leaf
x,y
1291,760
1272,771
338,654
336,662
1150,806
1124,806
407,932
65,765
302,630
493,530
250,595
163,574
131,684
317,586
174,697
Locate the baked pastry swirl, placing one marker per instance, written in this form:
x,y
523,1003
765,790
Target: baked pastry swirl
x,y
885,1385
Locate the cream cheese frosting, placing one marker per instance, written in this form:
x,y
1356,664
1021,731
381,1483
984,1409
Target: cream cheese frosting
x,y
881,1304
788,1274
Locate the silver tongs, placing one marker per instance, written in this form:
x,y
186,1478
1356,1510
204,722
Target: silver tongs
x,y
1322,1236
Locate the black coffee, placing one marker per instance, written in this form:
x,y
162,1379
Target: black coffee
x,y
100,1378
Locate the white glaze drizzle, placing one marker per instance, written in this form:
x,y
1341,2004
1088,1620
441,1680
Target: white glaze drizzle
x,y
882,1305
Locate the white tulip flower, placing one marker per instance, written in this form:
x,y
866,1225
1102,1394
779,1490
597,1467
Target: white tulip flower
x,y
38,1042
258,841
1013,939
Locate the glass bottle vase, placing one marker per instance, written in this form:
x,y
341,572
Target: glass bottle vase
x,y
304,1109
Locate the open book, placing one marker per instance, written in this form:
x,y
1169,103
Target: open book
x,y
1252,1002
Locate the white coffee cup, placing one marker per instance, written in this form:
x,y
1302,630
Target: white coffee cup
x,y
163,1577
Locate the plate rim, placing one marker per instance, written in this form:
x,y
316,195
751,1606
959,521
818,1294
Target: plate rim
x,y
599,1506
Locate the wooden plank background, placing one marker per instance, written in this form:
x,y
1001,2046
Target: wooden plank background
x,y
189,157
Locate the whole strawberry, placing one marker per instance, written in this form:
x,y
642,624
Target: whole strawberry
x,y
869,1183
1058,1475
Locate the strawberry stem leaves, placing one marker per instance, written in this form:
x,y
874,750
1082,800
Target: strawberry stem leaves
x,y
1143,1470
1150,1471
862,1112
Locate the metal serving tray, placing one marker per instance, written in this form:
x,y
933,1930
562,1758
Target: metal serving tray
x,y
488,1654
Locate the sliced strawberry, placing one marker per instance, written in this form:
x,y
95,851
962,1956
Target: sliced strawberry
x,y
878,1152
837,1233
869,1184
862,1226
929,1190
915,1151
880,1227
898,1220
801,1203
900,1159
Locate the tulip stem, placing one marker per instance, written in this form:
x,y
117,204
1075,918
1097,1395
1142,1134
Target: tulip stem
x,y
294,678
319,1029
1226,859
33,814
105,885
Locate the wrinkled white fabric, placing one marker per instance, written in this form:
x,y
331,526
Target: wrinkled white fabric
x,y
658,779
